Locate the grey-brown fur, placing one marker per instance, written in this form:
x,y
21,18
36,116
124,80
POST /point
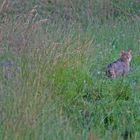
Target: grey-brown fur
x,y
120,67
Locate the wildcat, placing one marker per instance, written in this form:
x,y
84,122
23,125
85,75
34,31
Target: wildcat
x,y
121,66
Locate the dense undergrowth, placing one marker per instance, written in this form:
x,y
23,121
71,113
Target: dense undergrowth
x,y
52,74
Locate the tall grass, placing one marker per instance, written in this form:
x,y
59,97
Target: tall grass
x,y
57,88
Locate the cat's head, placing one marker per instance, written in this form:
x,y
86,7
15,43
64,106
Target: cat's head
x,y
126,56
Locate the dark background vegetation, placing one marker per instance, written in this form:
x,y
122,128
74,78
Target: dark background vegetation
x,y
80,11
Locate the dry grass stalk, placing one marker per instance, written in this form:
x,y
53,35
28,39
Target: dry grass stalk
x,y
43,21
32,15
4,6
1,37
91,136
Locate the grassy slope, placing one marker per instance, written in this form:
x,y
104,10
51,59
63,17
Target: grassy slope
x,y
60,89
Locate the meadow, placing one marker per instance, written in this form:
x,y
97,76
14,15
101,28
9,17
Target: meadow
x,y
52,72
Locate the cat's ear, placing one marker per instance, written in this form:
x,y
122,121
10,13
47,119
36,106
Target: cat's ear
x,y
130,51
122,52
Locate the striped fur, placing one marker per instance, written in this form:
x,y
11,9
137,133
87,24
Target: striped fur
x,y
121,66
